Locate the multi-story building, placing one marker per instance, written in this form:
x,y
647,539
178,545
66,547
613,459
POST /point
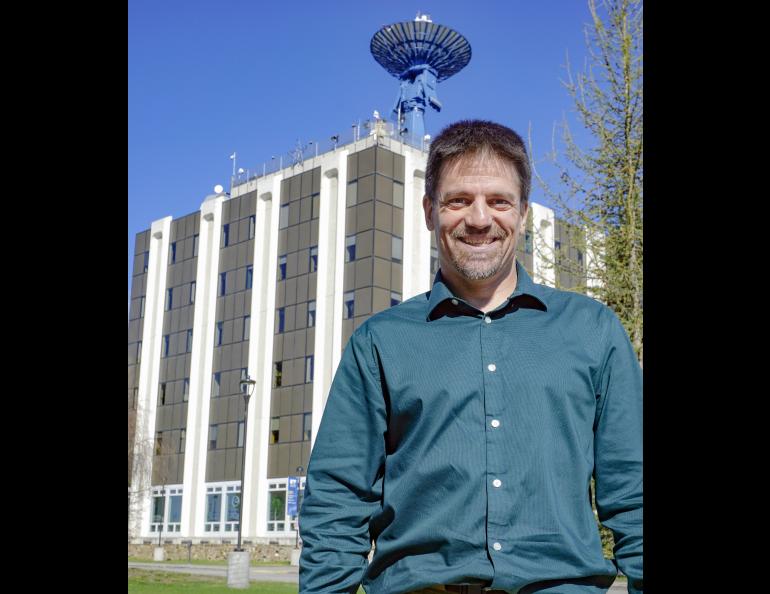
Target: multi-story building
x,y
269,282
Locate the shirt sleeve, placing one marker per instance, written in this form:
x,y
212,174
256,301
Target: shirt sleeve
x,y
618,452
342,489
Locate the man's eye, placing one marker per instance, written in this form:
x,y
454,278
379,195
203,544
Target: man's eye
x,y
501,203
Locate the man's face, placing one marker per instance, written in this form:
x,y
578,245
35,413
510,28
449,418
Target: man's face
x,y
477,217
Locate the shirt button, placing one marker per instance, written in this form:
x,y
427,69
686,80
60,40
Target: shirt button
x,y
495,423
497,482
487,319
497,546
491,367
454,301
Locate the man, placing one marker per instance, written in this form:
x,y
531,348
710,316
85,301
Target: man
x,y
463,425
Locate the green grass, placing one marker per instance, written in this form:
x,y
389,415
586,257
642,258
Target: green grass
x,y
147,581
160,582
222,562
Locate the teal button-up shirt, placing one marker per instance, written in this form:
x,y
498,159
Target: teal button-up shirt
x,y
463,444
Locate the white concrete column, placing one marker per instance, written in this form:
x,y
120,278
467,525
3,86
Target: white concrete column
x,y
329,283
416,235
261,354
201,365
544,255
149,373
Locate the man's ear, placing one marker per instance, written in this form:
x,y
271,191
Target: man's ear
x,y
427,206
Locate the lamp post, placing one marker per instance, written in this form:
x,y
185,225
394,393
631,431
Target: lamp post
x,y
248,384
238,560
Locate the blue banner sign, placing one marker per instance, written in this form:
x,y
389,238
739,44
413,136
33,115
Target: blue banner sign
x,y
293,495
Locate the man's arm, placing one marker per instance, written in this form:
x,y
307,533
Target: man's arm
x,y
618,452
341,490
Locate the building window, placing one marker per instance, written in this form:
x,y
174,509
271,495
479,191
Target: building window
x,y
313,258
276,520
216,384
396,248
398,194
146,261
163,394
141,307
182,437
307,419
240,434
169,298
580,257
225,235
252,225
281,267
281,319
220,333
195,245
138,352
174,513
246,327
244,375
134,397
249,276
283,217
222,283
348,305
158,509
186,389
352,197
213,430
158,443
311,314
527,242
166,344
275,424
213,511
277,374
309,362
395,298
350,248
192,292
233,501
172,259
188,345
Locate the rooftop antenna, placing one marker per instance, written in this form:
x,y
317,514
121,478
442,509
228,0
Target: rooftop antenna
x,y
420,54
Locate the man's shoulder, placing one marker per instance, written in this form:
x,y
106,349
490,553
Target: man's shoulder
x,y
561,301
414,309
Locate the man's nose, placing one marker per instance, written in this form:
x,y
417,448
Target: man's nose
x,y
478,214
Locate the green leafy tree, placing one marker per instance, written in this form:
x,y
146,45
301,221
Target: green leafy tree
x,y
600,186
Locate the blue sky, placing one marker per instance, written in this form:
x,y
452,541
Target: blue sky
x,y
208,78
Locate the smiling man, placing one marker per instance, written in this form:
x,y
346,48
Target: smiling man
x,y
463,425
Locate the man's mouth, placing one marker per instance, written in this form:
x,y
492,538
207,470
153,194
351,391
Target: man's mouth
x,y
478,242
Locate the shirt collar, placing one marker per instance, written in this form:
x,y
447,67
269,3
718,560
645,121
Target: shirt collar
x,y
440,292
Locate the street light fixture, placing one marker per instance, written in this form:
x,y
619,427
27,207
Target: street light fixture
x,y
248,384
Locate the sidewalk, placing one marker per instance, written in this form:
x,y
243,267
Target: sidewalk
x,y
263,573
273,573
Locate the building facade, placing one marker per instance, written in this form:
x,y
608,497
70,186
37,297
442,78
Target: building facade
x,y
268,282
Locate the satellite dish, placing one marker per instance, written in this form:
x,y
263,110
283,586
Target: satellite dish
x,y
218,189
